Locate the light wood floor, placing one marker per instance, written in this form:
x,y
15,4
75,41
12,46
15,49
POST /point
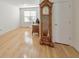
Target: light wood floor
x,y
21,44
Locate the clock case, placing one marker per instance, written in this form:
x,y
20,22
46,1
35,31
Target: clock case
x,y
46,23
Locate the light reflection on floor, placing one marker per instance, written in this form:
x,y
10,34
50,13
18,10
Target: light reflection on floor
x,y
30,49
28,39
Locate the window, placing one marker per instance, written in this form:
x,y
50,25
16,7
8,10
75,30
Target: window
x,y
29,16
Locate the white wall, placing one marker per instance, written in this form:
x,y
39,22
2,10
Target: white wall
x,y
9,17
62,21
75,42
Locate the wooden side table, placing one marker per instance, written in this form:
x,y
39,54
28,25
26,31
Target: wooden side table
x,y
35,28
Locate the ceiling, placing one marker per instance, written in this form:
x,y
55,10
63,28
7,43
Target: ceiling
x,y
22,2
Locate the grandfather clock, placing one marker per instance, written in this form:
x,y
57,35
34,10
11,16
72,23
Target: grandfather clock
x,y
46,23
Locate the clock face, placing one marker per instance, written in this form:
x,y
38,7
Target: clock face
x,y
45,10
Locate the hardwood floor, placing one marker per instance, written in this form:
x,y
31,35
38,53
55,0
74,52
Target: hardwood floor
x,y
21,44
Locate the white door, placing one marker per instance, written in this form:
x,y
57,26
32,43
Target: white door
x,y
63,21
